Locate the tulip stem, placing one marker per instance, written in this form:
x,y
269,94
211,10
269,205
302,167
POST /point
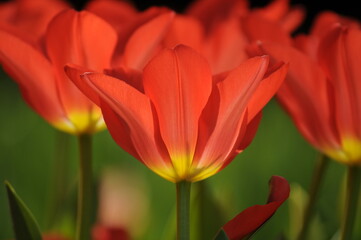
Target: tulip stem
x,y
317,177
183,209
351,200
85,188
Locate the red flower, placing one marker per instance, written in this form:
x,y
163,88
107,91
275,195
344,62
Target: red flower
x,y
250,220
29,18
211,12
177,120
230,26
39,70
219,30
100,232
321,89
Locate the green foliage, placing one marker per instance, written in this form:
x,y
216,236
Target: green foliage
x,y
221,235
297,202
24,224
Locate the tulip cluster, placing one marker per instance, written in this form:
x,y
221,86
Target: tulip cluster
x,y
183,93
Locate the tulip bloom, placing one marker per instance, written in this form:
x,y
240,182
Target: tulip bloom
x,y
177,120
211,12
219,30
39,70
29,18
320,92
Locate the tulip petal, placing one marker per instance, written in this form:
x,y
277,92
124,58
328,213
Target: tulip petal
x,y
267,89
225,46
339,56
118,129
117,13
247,222
327,19
126,26
256,27
352,39
184,30
88,41
134,108
34,75
74,73
305,85
245,138
30,18
131,76
275,10
211,12
280,10
145,41
293,18
178,82
235,91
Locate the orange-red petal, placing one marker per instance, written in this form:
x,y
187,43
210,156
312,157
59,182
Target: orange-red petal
x,y
304,86
87,41
256,27
225,46
266,90
339,55
34,75
235,91
146,40
134,108
184,30
178,82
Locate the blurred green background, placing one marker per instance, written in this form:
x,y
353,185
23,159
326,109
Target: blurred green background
x,y
28,156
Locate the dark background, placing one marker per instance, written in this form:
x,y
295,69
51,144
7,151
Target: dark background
x,y
345,7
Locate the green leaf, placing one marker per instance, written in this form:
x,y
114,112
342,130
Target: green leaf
x,y
24,224
221,235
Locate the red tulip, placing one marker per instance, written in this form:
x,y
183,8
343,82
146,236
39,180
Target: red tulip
x,y
29,18
326,19
219,30
177,120
250,220
321,89
211,12
131,24
77,37
100,232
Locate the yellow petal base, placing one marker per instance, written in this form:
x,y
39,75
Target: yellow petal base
x,y
80,123
349,152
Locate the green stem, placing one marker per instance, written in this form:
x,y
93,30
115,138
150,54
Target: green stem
x,y
84,188
351,200
183,209
317,177
60,175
